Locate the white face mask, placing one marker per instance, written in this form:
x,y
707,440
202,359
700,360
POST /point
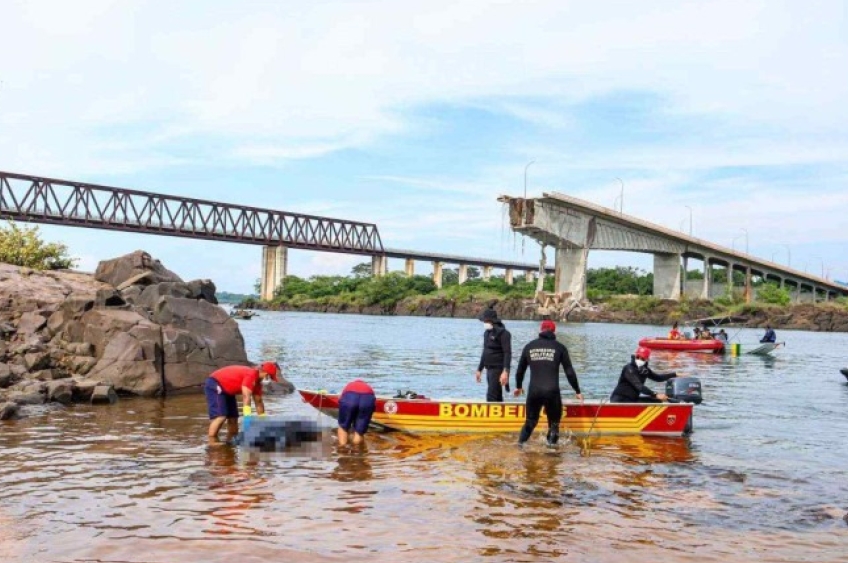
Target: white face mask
x,y
266,381
640,363
488,326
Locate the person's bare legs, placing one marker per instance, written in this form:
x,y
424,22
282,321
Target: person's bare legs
x,y
232,428
343,435
215,427
357,438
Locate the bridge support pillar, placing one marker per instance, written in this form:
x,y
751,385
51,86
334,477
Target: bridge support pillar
x,y
749,294
409,267
528,276
437,274
379,265
707,290
571,271
487,273
508,276
667,276
463,273
274,265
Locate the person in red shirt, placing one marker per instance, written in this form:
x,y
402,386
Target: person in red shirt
x,y
221,389
356,406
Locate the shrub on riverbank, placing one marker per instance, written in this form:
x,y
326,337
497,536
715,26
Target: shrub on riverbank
x,y
22,246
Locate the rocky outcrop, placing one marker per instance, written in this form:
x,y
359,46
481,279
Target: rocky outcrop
x,y
134,328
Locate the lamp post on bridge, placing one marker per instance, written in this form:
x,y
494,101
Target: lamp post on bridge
x,y
620,197
525,177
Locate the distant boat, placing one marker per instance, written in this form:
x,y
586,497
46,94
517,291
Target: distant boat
x,y
765,348
709,346
243,314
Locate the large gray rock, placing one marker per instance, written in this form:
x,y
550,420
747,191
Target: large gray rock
x,y
8,411
6,376
104,394
203,289
219,331
153,293
60,392
132,361
118,270
30,323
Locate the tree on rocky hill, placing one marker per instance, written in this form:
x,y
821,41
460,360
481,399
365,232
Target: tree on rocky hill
x,y
22,246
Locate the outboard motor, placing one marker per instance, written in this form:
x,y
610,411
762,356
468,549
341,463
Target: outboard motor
x,y
685,390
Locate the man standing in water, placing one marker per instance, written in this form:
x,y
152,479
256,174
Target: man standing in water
x,y
544,356
496,356
356,407
221,389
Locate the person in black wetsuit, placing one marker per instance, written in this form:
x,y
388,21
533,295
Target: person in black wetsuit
x,y
769,336
631,386
496,356
544,356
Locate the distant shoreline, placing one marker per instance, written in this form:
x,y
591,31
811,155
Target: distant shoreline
x,y
821,317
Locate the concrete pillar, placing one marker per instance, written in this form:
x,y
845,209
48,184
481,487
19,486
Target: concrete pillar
x,y
487,273
528,276
463,273
274,265
571,271
508,276
782,283
707,290
749,295
379,265
685,278
667,276
409,267
437,274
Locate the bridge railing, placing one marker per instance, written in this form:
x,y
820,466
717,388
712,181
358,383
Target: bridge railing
x,y
52,201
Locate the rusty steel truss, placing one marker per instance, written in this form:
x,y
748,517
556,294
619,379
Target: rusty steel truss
x,y
63,202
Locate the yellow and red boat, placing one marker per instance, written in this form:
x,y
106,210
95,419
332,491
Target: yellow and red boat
x,y
709,346
424,415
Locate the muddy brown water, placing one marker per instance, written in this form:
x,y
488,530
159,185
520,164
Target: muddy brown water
x,y
763,478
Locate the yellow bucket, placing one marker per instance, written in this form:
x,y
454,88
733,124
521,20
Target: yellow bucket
x,y
735,349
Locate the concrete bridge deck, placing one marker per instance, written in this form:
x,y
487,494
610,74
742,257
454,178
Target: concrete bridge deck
x,y
574,226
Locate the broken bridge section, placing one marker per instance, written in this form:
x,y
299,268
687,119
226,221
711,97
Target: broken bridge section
x,y
573,227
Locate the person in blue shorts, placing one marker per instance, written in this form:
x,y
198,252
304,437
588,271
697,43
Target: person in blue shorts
x,y
356,406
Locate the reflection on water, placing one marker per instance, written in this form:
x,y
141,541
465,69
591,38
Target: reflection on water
x,y
763,478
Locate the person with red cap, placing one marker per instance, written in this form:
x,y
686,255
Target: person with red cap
x,y
223,385
544,356
631,386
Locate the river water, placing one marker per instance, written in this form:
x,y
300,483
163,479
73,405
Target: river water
x,y
763,478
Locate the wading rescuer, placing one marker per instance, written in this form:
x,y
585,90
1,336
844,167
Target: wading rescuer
x,y
544,356
631,386
221,389
496,356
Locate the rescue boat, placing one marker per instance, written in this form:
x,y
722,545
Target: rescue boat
x,y
711,346
424,415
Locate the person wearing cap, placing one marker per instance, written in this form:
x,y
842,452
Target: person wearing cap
x,y
544,356
631,386
356,407
496,356
223,385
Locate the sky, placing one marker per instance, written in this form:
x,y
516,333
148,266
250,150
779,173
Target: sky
x,y
416,116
